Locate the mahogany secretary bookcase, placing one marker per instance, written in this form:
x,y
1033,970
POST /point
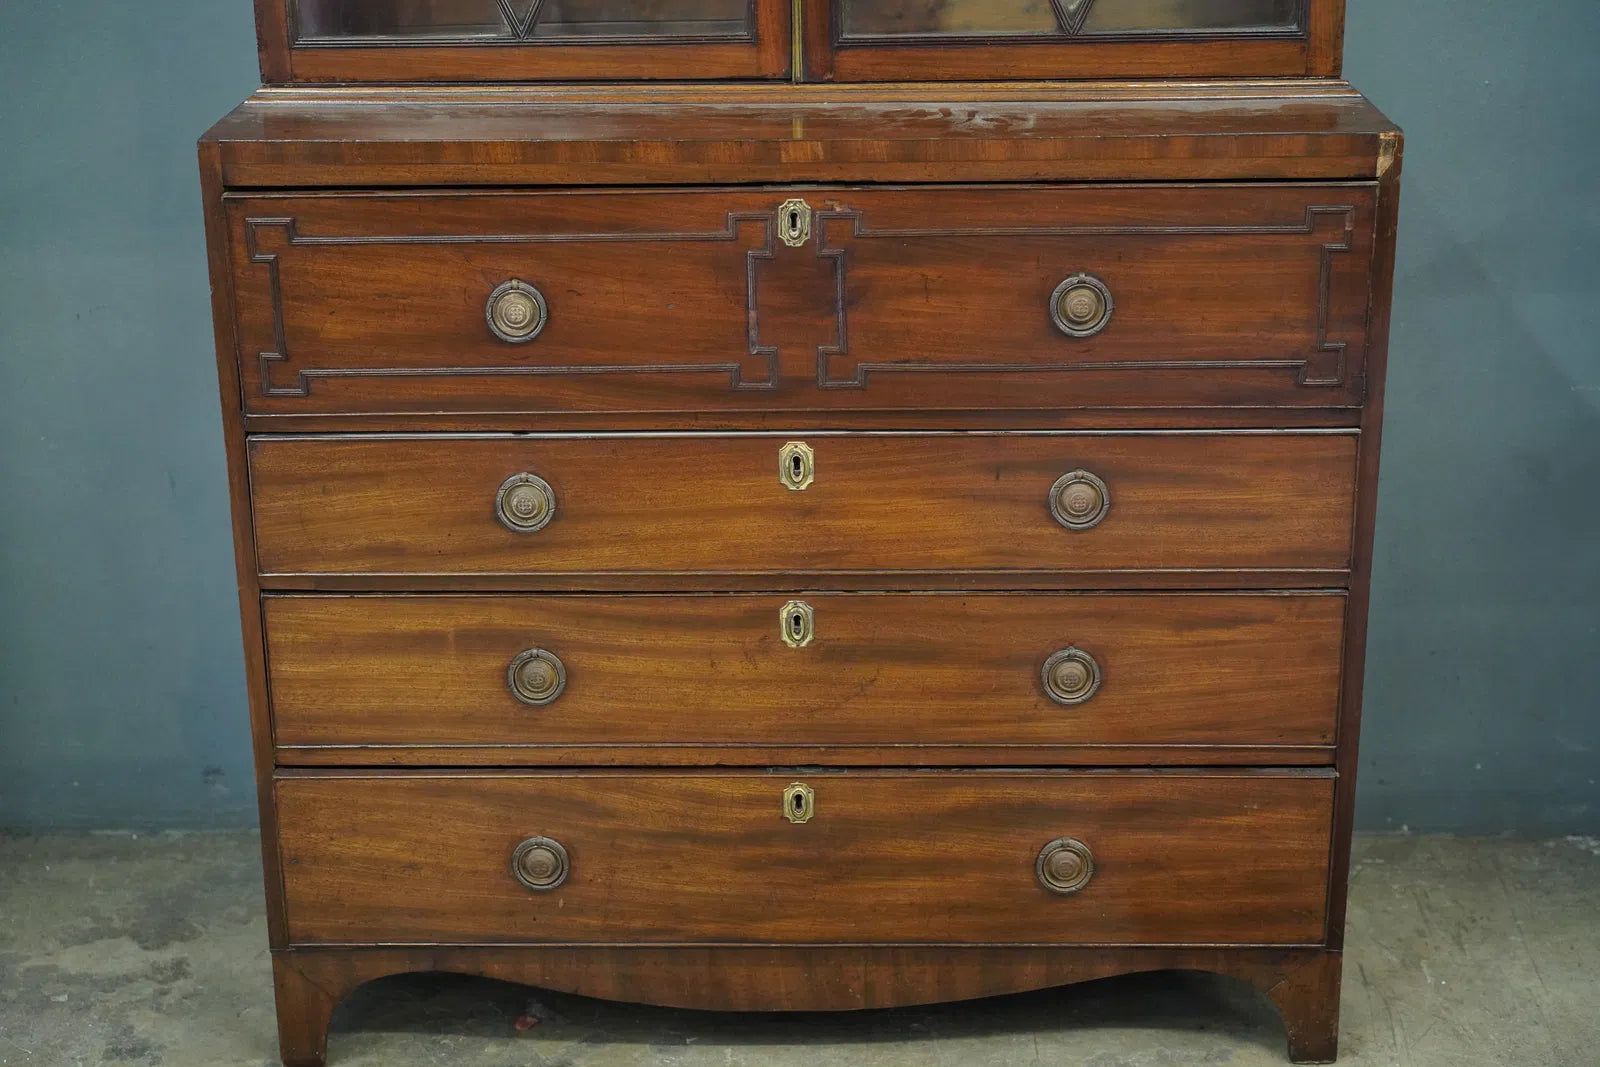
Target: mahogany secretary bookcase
x,y
829,504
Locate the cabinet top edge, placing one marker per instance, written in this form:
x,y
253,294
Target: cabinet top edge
x,y
695,134
741,92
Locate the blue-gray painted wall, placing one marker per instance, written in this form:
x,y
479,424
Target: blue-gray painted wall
x,y
121,691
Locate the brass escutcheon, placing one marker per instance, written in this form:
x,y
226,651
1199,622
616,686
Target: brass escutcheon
x,y
797,623
794,222
799,802
797,465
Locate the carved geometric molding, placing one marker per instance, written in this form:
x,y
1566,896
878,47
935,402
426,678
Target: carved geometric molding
x,y
1311,374
267,238
521,25
279,353
1072,14
1323,366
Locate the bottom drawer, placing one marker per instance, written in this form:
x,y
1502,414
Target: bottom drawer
x,y
1163,857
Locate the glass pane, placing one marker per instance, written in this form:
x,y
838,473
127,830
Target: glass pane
x,y
402,18
948,16
513,20
1122,16
643,18
1063,18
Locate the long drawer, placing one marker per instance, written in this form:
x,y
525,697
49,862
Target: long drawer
x,y
823,300
769,512
1114,858
919,678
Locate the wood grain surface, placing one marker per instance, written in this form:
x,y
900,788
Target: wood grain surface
x,y
662,678
686,510
1302,983
1226,296
1232,129
890,856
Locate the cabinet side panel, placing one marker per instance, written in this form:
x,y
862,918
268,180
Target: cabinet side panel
x,y
222,312
1366,505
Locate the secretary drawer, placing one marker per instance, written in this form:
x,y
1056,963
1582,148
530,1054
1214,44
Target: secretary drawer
x,y
1058,858
860,677
564,512
819,300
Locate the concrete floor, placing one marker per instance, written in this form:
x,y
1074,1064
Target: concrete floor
x,y
151,951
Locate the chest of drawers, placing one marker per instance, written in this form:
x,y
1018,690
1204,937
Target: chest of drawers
x,y
788,547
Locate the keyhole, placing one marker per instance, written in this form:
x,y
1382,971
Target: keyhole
x,y
796,624
798,804
794,222
796,466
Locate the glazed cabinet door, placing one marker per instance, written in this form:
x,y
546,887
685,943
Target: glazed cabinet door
x,y
515,40
881,40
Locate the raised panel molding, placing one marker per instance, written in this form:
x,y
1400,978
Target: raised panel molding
x,y
267,239
1323,366
757,370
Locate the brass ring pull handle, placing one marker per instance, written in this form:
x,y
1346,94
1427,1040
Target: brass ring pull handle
x,y
541,864
536,677
1071,676
516,312
1064,866
1079,500
525,503
1081,306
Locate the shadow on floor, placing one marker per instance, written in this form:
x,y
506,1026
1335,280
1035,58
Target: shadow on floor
x,y
445,1004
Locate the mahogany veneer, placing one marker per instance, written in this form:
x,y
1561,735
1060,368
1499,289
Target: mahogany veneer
x,y
365,304
816,546
892,678
707,510
890,858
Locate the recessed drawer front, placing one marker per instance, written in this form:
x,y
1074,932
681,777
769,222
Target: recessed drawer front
x,y
566,512
789,300
925,676
854,857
